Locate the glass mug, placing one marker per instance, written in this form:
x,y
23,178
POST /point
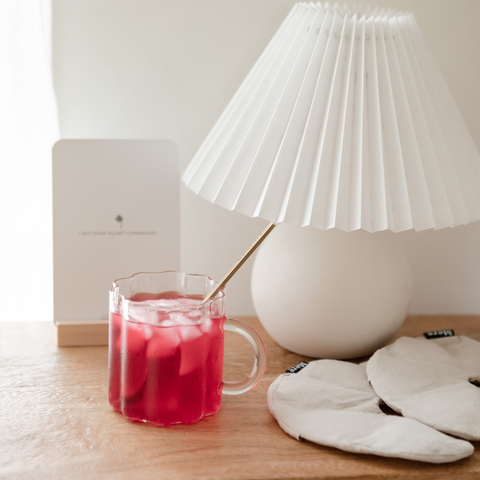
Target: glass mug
x,y
165,350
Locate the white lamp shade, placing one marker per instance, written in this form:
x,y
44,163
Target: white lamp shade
x,y
345,121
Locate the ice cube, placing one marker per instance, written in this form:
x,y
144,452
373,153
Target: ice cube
x,y
147,330
142,313
207,325
189,301
181,319
190,332
135,313
163,302
194,315
136,340
161,317
161,385
167,323
194,349
164,342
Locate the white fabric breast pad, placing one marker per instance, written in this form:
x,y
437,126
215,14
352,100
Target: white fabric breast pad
x,y
429,381
331,403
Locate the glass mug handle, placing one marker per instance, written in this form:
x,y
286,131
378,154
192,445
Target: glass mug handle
x,y
260,358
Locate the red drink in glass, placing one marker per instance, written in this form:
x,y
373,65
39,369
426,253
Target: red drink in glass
x,y
166,349
172,373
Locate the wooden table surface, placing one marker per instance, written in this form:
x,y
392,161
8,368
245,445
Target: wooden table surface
x,y
55,421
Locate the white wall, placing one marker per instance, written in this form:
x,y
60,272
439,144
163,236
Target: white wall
x,y
167,68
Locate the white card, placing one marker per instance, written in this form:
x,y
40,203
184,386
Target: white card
x,y
115,213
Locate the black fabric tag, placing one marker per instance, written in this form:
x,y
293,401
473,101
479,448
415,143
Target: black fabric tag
x,y
296,368
439,334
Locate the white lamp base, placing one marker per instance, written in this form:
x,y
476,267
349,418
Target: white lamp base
x,y
331,294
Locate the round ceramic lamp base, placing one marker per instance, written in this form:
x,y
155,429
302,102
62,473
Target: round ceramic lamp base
x,y
331,294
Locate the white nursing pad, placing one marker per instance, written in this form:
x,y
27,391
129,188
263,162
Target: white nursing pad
x,y
331,403
429,381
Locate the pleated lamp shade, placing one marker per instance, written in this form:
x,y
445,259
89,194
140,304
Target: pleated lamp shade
x,y
344,122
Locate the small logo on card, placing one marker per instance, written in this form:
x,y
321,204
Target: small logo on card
x,y
116,232
119,219
296,368
439,334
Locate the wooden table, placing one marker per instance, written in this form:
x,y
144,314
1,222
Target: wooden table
x,y
55,422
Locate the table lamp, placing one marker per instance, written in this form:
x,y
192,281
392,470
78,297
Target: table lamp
x,y
344,124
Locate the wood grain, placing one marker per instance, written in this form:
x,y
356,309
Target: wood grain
x,y
55,421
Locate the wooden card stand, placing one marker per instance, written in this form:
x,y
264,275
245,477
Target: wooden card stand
x,y
82,333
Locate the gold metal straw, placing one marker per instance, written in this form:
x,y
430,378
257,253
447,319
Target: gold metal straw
x,y
242,260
